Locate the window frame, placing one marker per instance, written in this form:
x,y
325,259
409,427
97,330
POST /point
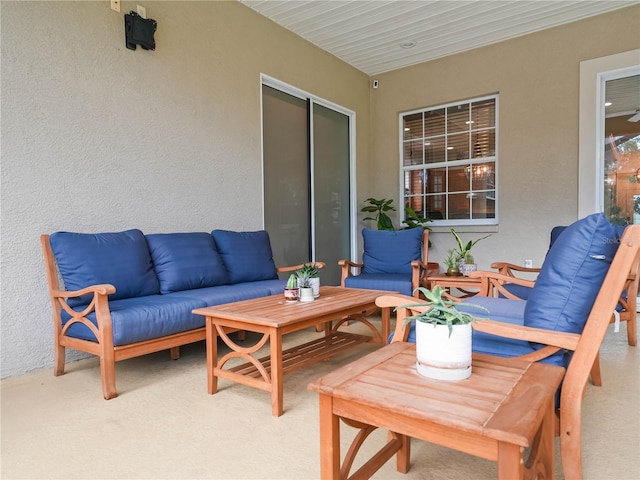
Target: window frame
x,y
447,163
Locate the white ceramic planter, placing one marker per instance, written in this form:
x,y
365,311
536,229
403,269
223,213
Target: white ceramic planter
x,y
440,356
315,285
468,268
306,294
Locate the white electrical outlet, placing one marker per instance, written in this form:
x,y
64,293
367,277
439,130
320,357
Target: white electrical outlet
x,y
142,11
528,263
115,5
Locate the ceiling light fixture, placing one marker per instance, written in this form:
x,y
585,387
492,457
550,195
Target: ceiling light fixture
x,y
408,44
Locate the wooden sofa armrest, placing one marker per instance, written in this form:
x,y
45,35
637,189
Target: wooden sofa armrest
x,y
102,289
492,284
346,266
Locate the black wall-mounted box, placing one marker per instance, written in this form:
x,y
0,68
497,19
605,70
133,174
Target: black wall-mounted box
x,y
139,31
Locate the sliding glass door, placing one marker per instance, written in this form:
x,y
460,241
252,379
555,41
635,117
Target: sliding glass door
x,y
307,181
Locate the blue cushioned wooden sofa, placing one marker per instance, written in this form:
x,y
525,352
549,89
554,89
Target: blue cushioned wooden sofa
x,y
124,294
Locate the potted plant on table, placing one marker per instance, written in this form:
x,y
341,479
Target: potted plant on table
x,y
443,336
464,257
291,289
304,284
312,272
451,264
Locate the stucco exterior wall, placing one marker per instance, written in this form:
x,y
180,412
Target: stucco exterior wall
x,y
537,79
96,137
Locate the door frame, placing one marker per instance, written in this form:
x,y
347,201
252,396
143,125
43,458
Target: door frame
x,y
593,75
299,93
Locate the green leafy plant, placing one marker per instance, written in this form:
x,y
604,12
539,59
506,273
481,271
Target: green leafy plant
x,y
450,259
384,222
309,269
413,220
464,249
292,282
304,279
380,207
441,311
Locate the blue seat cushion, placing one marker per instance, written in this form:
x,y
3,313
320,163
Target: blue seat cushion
x,y
393,282
121,259
227,293
183,261
247,256
144,318
572,274
391,251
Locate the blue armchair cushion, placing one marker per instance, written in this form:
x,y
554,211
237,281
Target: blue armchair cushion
x,y
121,259
572,274
247,256
391,251
184,261
393,282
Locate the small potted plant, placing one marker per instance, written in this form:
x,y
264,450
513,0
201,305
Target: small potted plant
x,y
312,271
291,289
451,264
443,336
464,250
304,284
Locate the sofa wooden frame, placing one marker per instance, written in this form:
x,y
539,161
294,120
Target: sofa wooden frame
x,y
585,346
104,348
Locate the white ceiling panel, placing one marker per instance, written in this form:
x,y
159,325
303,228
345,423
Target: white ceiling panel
x,y
371,35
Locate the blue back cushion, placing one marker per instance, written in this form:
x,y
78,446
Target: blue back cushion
x,y
572,274
391,252
247,255
184,261
121,259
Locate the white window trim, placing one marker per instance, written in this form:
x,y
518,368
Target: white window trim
x,y
593,74
403,169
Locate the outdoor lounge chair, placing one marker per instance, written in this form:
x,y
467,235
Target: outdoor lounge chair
x,y
395,261
571,336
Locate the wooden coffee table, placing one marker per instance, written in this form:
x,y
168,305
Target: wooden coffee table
x,y
505,406
274,318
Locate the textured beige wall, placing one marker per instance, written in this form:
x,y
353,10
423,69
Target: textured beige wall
x,y
96,137
537,77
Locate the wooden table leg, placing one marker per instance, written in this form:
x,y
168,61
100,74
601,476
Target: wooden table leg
x,y
329,440
277,391
510,461
212,356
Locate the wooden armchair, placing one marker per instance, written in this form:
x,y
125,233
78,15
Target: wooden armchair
x,y
395,261
584,346
510,284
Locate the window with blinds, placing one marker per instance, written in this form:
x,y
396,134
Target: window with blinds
x,y
449,161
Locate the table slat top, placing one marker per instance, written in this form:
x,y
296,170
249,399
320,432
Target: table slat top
x,y
503,399
274,311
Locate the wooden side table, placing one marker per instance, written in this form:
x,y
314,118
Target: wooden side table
x,y
466,285
506,406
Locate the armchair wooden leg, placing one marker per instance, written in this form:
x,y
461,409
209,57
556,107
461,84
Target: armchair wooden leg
x,y
59,359
596,377
632,330
108,376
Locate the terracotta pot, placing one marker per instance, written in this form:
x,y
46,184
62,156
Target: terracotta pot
x,y
291,295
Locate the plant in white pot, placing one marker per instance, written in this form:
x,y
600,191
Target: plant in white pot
x,y
304,284
464,255
311,270
443,337
291,291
